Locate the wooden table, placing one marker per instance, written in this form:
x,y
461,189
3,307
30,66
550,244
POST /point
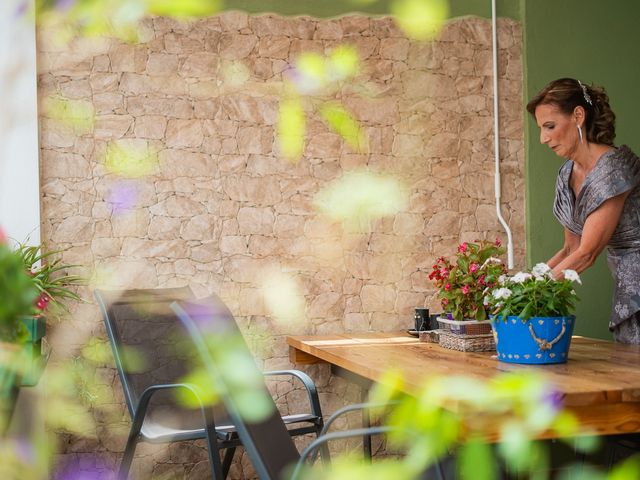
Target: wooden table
x,y
600,383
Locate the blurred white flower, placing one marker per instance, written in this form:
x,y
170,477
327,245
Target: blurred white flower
x,y
520,277
572,275
502,293
541,270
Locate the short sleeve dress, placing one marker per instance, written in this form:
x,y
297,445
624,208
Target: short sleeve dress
x,y
616,171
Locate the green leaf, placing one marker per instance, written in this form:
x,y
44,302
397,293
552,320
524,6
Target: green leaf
x,y
344,125
183,8
420,19
291,128
476,461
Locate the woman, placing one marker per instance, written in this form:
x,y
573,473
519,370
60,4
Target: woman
x,y
597,195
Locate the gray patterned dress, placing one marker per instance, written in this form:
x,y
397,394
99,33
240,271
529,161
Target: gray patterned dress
x,y
616,171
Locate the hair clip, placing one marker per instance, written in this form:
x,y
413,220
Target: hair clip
x,y
586,96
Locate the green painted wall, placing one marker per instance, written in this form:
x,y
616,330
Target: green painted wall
x,y
331,8
596,42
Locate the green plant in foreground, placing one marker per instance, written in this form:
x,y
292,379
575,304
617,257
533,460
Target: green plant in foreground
x,y
17,293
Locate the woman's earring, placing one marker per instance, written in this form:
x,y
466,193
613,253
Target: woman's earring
x,y
580,133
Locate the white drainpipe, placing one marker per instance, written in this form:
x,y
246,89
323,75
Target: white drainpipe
x,y
496,134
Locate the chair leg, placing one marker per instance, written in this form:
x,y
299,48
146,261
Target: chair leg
x,y
212,444
226,461
127,457
366,423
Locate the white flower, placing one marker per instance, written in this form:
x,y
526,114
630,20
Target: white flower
x,y
572,275
540,271
520,277
491,260
502,293
502,279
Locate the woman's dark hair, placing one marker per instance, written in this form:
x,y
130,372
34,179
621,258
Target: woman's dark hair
x,y
567,94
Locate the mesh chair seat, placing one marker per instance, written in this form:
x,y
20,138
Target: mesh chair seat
x,y
142,321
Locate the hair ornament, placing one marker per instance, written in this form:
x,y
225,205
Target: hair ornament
x,y
586,95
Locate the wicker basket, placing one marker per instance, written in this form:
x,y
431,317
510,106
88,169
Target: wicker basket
x,y
466,343
465,327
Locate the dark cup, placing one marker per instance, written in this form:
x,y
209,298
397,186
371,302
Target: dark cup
x,y
422,319
434,320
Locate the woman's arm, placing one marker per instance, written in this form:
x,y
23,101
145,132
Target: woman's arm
x,y
571,243
597,232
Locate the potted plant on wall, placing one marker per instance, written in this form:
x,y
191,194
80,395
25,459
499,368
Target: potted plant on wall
x,y
462,284
53,282
532,316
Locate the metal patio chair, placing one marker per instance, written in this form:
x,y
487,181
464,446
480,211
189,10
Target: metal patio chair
x,y
153,357
271,450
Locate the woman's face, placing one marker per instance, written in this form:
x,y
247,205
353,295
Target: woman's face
x,y
558,130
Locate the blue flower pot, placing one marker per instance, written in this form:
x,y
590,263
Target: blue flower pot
x,y
539,340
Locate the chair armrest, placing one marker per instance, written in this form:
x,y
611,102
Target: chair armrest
x,y
352,408
312,391
321,440
145,398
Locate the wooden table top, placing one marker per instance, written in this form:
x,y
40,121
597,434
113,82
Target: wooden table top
x,y
601,379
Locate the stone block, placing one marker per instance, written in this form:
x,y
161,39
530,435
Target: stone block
x,y
73,229
184,133
202,64
236,46
112,126
377,298
252,220
199,227
150,126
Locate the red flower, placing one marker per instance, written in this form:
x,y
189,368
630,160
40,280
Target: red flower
x,y
42,301
465,289
473,268
498,242
463,247
447,286
445,302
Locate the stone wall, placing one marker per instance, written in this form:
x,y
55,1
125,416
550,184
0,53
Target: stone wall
x,y
219,208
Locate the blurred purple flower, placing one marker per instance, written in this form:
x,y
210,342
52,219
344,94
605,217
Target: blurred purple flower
x,y
94,469
303,83
24,451
64,5
554,399
22,8
122,197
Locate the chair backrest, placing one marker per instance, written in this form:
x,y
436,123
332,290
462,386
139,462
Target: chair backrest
x,y
234,374
145,336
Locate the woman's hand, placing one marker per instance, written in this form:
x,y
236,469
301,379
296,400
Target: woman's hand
x,y
597,231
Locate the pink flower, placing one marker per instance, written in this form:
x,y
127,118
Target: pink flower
x,y
473,268
465,289
482,281
463,247
445,302
447,286
42,301
444,272
498,242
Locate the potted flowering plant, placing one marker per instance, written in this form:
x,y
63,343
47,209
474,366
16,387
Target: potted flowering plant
x,y
462,282
532,315
53,283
